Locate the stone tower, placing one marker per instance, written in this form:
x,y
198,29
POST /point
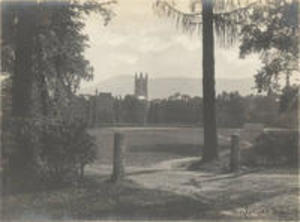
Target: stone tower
x,y
141,93
141,86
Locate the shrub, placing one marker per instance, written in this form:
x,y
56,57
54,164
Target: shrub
x,y
66,149
277,147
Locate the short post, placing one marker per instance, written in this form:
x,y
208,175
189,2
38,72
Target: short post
x,y
118,157
234,153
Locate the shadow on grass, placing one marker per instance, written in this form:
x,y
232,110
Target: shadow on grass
x,y
226,176
141,172
97,198
179,149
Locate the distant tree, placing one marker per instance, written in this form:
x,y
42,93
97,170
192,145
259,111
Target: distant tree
x,y
117,107
289,106
289,99
176,109
155,111
231,110
262,109
131,109
196,105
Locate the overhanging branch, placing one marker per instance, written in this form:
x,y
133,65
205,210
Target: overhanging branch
x,y
188,22
167,6
226,24
237,10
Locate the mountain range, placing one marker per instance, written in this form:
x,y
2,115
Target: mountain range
x,y
164,87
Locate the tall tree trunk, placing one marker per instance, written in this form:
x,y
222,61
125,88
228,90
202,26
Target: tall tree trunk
x,y
22,85
210,150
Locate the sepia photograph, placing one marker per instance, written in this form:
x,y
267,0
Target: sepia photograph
x,y
149,110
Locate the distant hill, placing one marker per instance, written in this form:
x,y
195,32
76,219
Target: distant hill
x,y
164,87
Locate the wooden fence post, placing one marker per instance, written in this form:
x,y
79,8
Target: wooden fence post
x,y
118,157
234,153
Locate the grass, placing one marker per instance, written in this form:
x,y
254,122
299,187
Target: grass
x,y
148,146
99,199
216,196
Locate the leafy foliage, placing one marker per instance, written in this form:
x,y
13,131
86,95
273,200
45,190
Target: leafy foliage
x,y
289,99
134,110
231,110
61,150
272,32
227,14
67,149
234,110
59,44
44,54
262,109
176,109
278,147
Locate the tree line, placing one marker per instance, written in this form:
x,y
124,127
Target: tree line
x,y
233,110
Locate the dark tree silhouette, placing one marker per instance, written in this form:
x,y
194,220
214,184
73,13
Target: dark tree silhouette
x,y
43,54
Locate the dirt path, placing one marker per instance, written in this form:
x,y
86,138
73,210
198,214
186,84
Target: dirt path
x,y
262,194
265,194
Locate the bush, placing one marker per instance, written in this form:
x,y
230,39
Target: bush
x,y
66,149
53,152
277,147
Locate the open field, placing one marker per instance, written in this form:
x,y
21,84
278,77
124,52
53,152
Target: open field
x,y
151,145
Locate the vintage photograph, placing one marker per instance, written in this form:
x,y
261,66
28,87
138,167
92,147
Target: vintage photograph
x,y
149,110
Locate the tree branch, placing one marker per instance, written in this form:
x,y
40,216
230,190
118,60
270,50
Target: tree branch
x,y
165,4
237,10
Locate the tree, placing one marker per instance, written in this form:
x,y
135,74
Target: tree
x,y
262,109
288,106
289,99
225,15
19,22
210,150
231,110
133,110
271,31
43,54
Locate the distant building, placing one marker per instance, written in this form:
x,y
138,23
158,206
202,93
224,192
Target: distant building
x,y
141,93
141,86
102,108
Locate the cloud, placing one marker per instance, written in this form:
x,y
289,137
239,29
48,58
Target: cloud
x,y
136,40
124,58
188,42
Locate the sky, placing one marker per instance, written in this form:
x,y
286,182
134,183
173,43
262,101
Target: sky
x,y
137,40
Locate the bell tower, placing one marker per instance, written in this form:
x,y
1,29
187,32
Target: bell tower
x,y
141,86
141,93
